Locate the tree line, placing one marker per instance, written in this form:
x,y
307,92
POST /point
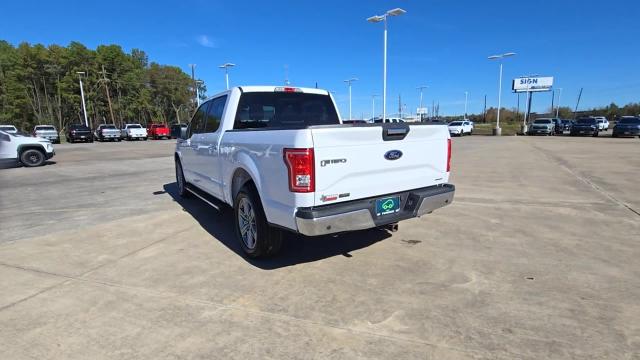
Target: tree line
x,y
40,85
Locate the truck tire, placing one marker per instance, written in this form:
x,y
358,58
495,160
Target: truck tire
x,y
256,237
181,183
32,157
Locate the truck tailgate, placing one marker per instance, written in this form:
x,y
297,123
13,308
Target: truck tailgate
x,y
360,162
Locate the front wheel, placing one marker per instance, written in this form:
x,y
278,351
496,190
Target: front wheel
x,y
32,158
256,237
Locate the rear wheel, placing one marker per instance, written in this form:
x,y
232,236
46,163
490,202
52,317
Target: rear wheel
x,y
32,157
595,134
182,184
256,237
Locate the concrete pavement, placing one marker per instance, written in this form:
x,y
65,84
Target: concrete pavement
x,y
536,258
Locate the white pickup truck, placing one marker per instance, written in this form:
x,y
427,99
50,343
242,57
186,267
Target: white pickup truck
x,y
282,159
133,132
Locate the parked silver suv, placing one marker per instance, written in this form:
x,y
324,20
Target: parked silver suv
x,y
48,132
542,126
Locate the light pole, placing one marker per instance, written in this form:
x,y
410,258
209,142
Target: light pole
x,y
198,82
84,107
466,98
422,87
375,19
226,67
497,131
349,81
558,106
373,106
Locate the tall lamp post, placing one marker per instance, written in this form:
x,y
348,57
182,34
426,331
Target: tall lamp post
x,y
498,131
466,98
375,19
226,67
373,106
84,107
198,82
558,106
349,81
422,87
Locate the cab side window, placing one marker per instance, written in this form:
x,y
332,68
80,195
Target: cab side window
x,y
196,126
5,137
214,114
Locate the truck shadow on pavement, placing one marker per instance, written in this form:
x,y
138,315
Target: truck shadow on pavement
x,y
296,249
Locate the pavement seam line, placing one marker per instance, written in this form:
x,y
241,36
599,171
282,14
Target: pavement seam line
x,y
598,189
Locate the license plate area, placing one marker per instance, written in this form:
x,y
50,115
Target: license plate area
x,y
387,205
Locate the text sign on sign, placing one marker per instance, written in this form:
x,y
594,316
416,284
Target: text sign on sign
x,y
525,84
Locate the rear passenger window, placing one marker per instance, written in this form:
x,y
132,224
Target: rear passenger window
x,y
214,114
284,110
196,126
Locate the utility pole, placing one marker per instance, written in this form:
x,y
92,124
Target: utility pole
x,y
195,85
400,105
577,103
553,97
484,112
106,89
59,105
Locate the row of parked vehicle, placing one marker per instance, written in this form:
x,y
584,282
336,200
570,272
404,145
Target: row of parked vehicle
x,y
104,132
626,126
109,132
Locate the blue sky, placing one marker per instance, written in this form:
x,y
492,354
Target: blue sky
x,y
443,44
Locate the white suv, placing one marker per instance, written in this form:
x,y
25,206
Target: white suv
x,y
603,123
29,151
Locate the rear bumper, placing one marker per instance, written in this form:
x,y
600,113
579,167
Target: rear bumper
x,y
360,214
540,131
583,131
626,132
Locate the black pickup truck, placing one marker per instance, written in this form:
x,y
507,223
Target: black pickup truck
x,y
78,132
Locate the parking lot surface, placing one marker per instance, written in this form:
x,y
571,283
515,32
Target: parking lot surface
x,y
537,258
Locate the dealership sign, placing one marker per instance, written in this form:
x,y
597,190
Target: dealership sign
x,y
525,84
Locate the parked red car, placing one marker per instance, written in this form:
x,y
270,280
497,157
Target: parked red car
x,y
157,131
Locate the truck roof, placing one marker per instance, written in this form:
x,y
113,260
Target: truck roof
x,y
270,88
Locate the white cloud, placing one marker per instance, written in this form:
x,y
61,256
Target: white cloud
x,y
205,41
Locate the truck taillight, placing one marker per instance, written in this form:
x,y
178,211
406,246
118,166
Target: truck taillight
x,y
448,155
300,164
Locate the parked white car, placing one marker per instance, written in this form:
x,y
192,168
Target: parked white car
x,y
282,159
8,129
603,123
48,132
133,132
460,128
26,150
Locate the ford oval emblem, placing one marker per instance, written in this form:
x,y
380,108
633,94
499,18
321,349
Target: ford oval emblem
x,y
393,155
